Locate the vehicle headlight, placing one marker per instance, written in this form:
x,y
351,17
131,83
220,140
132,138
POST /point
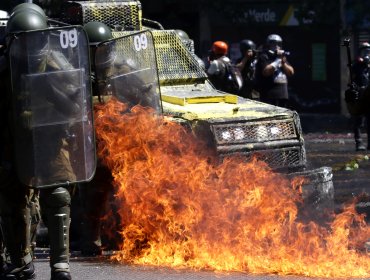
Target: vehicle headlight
x,y
261,132
239,133
275,130
226,135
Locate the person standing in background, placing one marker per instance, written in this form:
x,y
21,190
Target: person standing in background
x,y
361,77
247,67
272,72
222,74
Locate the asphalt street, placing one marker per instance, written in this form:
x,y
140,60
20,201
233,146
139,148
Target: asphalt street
x,y
335,150
93,269
351,176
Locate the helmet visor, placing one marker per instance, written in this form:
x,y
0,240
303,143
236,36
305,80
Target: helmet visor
x,y
275,45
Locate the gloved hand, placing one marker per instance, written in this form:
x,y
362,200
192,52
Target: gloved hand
x,y
351,94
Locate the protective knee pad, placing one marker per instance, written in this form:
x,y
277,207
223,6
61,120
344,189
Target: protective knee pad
x,y
55,206
55,198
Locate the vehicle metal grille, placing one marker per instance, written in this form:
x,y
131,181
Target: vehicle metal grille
x,y
283,158
119,14
252,132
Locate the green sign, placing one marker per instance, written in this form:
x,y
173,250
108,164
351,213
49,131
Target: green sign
x,y
319,62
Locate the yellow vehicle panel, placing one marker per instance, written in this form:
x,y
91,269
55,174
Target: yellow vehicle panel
x,y
242,109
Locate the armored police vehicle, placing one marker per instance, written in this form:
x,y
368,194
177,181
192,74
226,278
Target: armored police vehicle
x,y
230,123
233,124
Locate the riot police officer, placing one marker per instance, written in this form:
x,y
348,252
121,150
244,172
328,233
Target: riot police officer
x,y
46,142
361,78
247,67
272,72
94,195
125,75
16,199
185,38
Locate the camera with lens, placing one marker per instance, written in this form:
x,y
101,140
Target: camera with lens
x,y
278,53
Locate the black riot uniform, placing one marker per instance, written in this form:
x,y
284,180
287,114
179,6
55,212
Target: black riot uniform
x,y
51,140
247,68
272,72
361,77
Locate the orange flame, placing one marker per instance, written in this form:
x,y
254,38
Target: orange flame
x,y
180,207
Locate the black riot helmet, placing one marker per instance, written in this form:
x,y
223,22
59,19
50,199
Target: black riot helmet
x,y
26,20
364,52
182,34
246,45
273,42
97,32
28,6
36,46
189,43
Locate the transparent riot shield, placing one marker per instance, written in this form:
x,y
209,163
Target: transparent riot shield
x,y
126,68
52,107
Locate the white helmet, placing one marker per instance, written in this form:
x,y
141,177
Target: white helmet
x,y
3,17
273,41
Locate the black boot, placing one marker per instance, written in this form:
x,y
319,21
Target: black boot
x,y
360,146
26,272
61,275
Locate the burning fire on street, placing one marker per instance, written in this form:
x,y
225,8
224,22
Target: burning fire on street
x,y
180,207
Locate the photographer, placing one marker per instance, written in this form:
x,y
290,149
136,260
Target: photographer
x,y
272,72
247,67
